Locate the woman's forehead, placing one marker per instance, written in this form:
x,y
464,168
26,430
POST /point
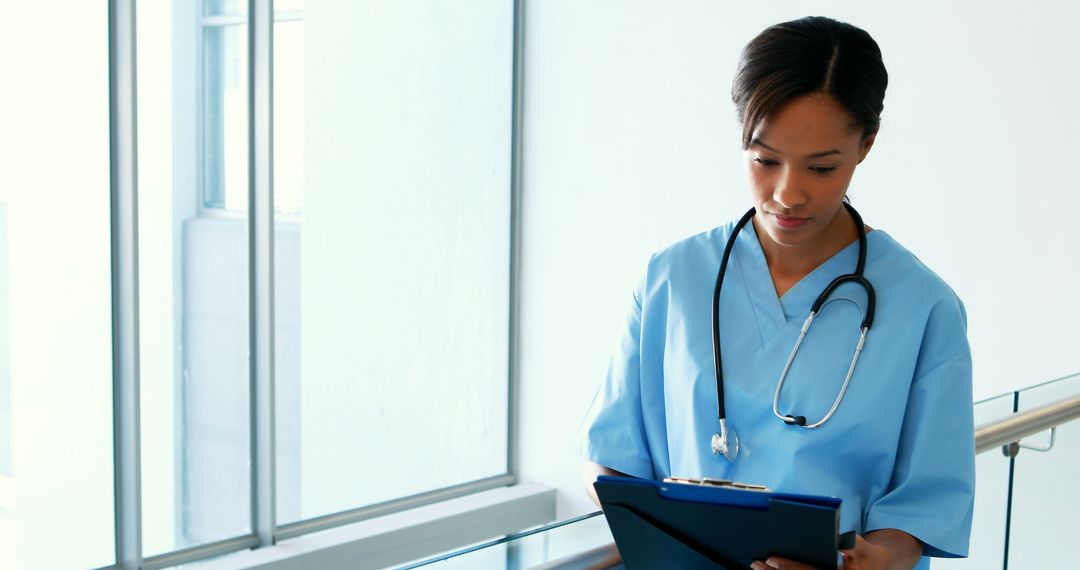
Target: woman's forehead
x,y
809,125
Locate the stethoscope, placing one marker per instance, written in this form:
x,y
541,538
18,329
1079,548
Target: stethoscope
x,y
726,442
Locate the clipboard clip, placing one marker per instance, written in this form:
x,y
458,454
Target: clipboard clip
x,y
707,482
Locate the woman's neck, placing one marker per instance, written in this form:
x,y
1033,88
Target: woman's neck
x,y
789,264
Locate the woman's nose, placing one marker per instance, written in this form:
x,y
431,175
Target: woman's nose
x,y
788,192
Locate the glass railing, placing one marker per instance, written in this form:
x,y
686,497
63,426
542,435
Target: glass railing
x,y
991,494
579,543
1025,501
1025,491
1045,498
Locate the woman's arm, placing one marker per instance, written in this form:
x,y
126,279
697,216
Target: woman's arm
x,y
589,475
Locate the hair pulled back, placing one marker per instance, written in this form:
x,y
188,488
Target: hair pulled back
x,y
810,55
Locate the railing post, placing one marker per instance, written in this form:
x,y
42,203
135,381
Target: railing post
x,y
1010,452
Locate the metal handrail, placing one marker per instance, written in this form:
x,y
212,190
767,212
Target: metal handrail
x,y
1017,426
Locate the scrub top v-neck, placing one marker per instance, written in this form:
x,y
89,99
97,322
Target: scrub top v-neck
x,y
772,311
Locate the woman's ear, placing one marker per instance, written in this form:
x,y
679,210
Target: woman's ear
x,y
865,147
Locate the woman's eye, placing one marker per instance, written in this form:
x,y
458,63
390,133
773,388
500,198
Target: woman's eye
x,y
823,169
765,161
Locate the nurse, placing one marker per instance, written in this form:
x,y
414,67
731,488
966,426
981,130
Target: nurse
x,y
899,449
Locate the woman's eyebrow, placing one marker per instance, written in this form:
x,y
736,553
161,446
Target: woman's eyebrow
x,y
822,154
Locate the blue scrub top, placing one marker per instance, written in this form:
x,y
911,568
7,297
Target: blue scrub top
x,y
899,450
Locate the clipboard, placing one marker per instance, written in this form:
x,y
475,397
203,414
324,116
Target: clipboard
x,y
711,525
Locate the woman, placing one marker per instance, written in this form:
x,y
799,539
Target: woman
x,y
899,447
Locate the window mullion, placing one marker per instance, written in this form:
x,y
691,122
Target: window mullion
x,y
513,376
125,283
261,265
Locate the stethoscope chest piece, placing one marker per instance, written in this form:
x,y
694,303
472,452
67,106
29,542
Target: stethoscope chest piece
x,y
726,442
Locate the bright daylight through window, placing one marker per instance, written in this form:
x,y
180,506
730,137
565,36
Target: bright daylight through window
x,y
56,443
391,186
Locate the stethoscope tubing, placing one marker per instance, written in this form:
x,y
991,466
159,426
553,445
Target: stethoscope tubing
x,y
717,360
857,277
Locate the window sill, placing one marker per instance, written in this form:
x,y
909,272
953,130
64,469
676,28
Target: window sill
x,y
408,535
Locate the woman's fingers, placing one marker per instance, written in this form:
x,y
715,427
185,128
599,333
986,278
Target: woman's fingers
x,y
777,563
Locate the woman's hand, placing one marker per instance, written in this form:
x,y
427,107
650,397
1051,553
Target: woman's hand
x,y
885,549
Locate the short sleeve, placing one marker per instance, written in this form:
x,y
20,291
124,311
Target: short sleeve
x,y
932,491
613,433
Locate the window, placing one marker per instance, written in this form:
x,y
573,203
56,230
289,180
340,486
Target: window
x,y
391,163
391,157
392,284
193,279
223,25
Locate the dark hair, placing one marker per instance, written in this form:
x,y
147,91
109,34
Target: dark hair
x,y
810,55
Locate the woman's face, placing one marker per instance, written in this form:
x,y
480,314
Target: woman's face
x,y
799,164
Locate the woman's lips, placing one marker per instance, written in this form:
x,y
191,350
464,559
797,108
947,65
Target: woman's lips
x,y
790,221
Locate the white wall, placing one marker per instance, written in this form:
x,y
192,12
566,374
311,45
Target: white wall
x,y
631,143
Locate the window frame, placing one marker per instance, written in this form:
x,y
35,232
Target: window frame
x,y
500,501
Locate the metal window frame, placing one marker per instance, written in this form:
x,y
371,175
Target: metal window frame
x,y
123,165
513,402
261,224
261,266
201,552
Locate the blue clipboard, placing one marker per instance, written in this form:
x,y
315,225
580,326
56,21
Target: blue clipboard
x,y
659,524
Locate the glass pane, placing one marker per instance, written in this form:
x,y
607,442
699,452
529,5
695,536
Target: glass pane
x,y
590,535
1045,501
193,290
288,116
492,557
56,437
224,117
991,496
288,193
393,125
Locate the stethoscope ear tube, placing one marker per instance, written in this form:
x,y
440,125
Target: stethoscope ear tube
x,y
860,227
717,361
